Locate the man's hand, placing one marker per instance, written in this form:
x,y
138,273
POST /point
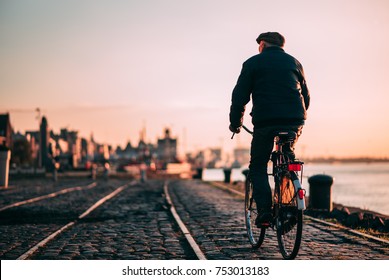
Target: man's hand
x,y
234,129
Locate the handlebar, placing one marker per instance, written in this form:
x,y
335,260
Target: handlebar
x,y
248,130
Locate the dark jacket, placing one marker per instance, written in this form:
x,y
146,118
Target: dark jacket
x,y
276,83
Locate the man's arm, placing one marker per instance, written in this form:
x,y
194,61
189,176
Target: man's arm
x,y
240,96
304,88
306,95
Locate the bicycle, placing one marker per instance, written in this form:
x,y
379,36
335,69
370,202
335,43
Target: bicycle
x,y
288,200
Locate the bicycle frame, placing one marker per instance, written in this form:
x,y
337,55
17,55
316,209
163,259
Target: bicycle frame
x,y
281,164
288,200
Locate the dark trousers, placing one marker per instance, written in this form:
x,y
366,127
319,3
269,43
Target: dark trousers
x,y
261,148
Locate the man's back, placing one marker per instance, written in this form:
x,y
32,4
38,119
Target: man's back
x,y
277,84
278,88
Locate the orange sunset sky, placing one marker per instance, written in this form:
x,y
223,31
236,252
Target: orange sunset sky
x,y
113,67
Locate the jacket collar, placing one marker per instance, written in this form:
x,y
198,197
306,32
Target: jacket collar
x,y
273,48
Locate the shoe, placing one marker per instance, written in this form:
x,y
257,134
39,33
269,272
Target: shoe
x,y
264,219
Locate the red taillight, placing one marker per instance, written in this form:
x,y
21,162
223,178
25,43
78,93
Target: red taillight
x,y
294,167
301,193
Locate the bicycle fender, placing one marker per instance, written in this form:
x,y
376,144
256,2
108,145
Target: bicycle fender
x,y
300,192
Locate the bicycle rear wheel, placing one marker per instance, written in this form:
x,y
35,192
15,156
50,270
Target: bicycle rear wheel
x,y
256,235
289,220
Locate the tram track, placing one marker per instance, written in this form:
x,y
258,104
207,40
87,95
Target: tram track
x,y
191,241
30,224
126,217
44,241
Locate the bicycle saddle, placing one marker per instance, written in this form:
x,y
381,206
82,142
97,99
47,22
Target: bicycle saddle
x,y
286,135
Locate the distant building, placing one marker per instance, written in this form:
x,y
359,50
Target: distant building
x,y
74,151
128,152
5,131
91,148
45,146
33,138
167,148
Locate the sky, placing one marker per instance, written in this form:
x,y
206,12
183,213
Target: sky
x,y
112,68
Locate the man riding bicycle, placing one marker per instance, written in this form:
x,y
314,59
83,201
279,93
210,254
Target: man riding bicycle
x,y
275,81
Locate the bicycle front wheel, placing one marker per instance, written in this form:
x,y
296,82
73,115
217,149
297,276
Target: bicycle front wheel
x,y
256,235
289,220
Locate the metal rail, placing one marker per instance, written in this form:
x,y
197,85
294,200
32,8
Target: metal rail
x,y
195,247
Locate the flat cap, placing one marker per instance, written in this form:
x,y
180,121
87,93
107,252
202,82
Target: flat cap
x,y
273,38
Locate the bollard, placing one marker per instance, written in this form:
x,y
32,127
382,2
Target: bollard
x,y
143,169
320,196
106,171
55,171
199,173
93,171
227,175
246,173
143,176
5,156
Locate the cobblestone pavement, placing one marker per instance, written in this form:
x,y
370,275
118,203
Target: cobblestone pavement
x,y
24,226
216,221
137,224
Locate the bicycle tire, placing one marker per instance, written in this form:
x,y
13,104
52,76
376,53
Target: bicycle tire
x,y
255,235
289,219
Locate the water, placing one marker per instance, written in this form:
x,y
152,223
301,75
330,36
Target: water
x,y
363,185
